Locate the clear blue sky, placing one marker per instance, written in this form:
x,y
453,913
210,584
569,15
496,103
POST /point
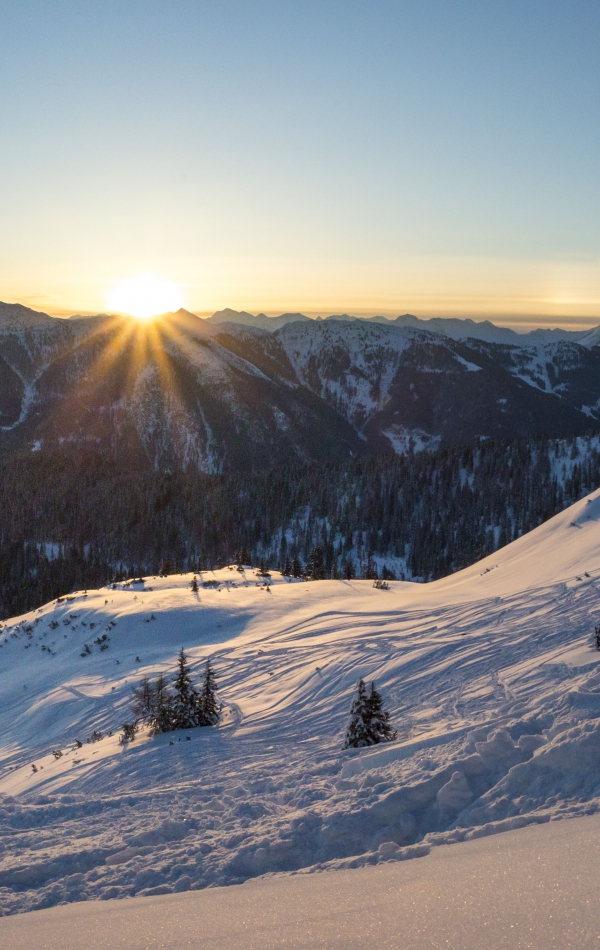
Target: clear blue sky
x,y
435,156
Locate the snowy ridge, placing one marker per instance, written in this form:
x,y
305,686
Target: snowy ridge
x,y
489,675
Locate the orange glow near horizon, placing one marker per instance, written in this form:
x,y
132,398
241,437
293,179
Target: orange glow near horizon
x,y
144,296
519,293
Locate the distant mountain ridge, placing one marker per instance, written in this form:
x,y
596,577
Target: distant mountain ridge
x,y
223,394
454,327
260,321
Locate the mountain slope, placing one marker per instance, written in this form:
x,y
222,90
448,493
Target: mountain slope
x,y
15,316
489,675
400,384
224,396
168,394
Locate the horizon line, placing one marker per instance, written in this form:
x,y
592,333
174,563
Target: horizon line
x,y
518,322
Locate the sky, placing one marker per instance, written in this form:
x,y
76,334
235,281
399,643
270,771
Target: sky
x,y
435,157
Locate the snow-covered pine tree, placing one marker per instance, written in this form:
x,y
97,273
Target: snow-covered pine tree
x,y
358,732
185,697
208,708
379,720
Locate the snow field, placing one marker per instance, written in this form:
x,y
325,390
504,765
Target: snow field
x,y
489,675
531,889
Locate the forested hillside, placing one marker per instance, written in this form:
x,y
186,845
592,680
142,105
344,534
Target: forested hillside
x,y
73,520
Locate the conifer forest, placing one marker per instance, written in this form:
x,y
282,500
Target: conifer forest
x,y
73,520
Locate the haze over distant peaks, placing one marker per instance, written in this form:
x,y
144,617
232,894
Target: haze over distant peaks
x,y
455,328
260,321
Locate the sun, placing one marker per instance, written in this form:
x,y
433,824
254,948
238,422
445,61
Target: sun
x,y
144,295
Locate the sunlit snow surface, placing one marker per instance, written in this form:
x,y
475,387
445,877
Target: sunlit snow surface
x,y
528,890
490,677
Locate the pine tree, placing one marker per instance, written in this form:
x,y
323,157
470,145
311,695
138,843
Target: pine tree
x,y
162,697
166,567
358,733
297,569
162,717
143,706
208,709
263,570
370,572
184,696
348,569
315,567
379,720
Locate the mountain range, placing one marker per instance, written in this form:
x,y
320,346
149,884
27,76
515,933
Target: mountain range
x,y
237,391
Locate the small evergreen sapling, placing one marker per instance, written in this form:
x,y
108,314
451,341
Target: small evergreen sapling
x,y
358,733
379,718
163,708
128,734
369,722
185,697
208,708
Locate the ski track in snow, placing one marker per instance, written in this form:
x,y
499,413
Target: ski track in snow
x,y
490,677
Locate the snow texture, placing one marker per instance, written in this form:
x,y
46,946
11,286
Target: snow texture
x,y
532,889
490,677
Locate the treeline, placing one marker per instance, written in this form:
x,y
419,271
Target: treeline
x,y
74,520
